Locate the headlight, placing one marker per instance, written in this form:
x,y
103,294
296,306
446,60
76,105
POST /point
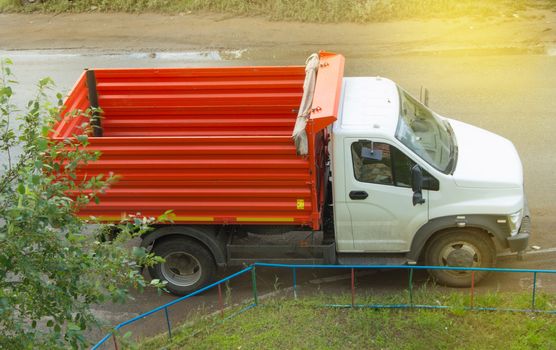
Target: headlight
x,y
515,222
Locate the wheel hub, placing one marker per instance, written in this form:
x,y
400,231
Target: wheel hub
x,y
460,254
460,258
181,269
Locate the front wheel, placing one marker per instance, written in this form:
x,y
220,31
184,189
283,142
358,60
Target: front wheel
x,y
188,265
460,248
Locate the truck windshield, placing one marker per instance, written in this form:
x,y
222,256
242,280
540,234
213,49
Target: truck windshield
x,y
428,136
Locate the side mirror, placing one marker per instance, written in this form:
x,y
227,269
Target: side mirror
x,y
417,185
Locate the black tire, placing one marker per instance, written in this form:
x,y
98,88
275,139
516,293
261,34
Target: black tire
x,y
188,266
460,247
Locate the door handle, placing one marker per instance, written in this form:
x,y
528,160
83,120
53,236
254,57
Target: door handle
x,y
358,195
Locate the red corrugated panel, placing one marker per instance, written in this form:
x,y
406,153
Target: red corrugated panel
x,y
76,101
211,144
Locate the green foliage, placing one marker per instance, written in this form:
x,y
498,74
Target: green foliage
x,y
360,11
51,269
10,5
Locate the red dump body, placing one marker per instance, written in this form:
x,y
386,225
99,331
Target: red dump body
x,y
212,144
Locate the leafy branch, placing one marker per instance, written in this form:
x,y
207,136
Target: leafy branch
x,y
53,266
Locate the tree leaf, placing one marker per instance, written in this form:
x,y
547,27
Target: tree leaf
x,y
21,188
73,327
138,252
82,139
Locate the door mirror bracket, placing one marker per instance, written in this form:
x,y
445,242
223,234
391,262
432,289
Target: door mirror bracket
x,y
417,185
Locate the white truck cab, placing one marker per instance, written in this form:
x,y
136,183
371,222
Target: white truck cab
x,y
406,180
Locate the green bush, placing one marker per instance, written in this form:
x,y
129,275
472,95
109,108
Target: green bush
x,y
51,272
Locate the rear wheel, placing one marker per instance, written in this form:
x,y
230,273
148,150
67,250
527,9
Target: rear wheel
x,y
188,265
460,248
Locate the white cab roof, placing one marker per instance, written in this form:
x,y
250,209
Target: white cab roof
x,y
368,103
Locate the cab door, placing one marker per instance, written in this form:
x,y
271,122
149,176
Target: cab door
x,y
379,196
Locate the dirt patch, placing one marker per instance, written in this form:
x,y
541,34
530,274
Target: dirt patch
x,y
531,31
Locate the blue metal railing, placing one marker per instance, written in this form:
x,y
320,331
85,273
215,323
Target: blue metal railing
x,y
165,308
294,269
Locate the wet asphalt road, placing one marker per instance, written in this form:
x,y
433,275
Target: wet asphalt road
x,y
512,95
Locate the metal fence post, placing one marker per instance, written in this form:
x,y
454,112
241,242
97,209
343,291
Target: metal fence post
x,y
294,283
352,287
220,302
411,287
168,323
534,291
472,301
254,285
115,341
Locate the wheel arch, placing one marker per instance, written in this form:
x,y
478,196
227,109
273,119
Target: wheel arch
x,y
209,236
485,223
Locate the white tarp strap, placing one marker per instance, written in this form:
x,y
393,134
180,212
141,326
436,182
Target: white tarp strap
x,y
299,134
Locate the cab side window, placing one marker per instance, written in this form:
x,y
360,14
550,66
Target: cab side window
x,y
402,168
372,162
380,163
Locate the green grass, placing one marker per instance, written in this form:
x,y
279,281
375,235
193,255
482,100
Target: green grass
x,y
360,11
306,324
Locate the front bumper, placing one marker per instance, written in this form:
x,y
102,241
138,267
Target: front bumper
x,y
520,241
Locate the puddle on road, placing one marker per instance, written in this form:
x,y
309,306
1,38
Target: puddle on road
x,y
211,55
192,56
224,55
550,49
